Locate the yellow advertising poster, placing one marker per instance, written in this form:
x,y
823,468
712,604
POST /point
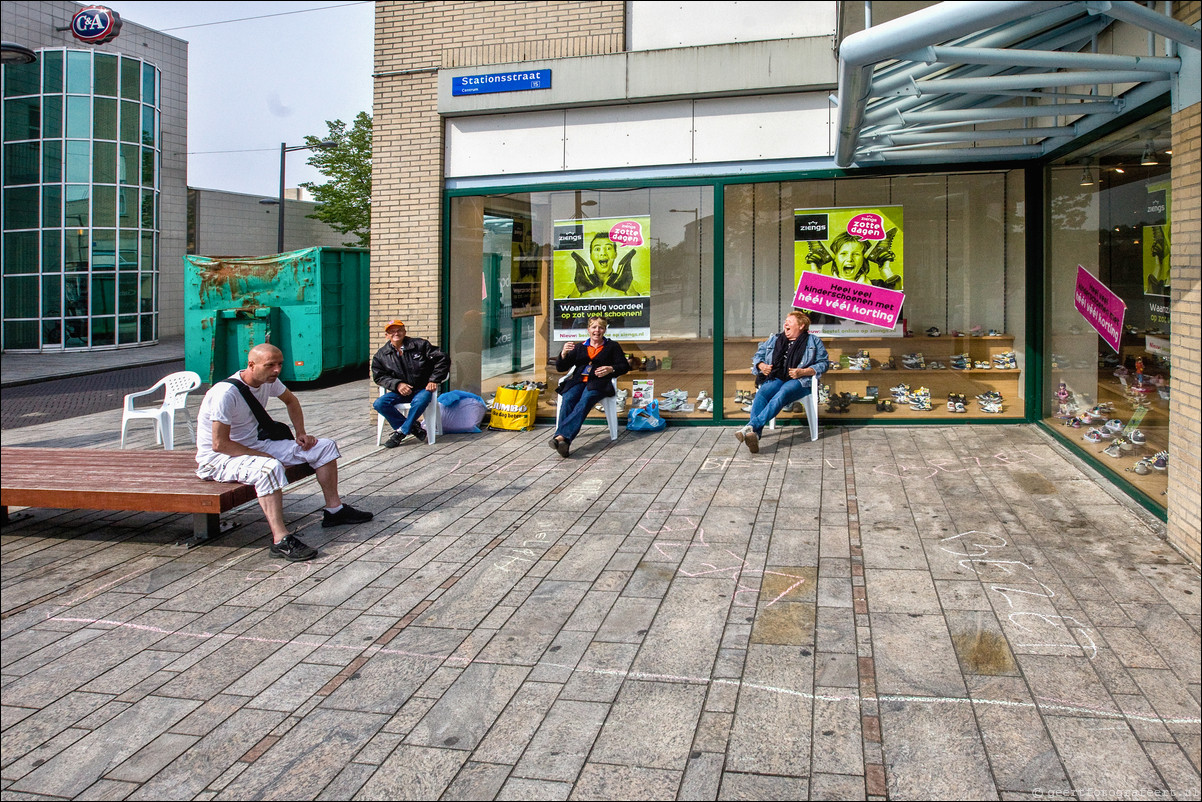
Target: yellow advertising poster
x,y
863,245
603,267
1155,243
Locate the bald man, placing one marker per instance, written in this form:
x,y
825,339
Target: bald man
x,y
228,449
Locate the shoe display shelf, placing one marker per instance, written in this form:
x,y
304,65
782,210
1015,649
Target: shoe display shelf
x,y
673,364
941,382
1154,425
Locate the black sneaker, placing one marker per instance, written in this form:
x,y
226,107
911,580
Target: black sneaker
x,y
562,447
419,432
346,515
394,440
293,550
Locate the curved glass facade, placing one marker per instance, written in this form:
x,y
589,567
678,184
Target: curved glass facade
x,y
81,174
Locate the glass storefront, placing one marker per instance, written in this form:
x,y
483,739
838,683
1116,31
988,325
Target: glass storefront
x,y
952,243
81,201
528,268
1107,369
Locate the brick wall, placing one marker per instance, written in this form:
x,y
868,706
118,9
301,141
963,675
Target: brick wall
x,y
413,40
1185,406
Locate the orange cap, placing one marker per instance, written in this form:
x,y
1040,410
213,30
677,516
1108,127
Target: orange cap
x,y
393,322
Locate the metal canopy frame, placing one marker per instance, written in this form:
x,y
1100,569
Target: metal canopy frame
x,y
965,81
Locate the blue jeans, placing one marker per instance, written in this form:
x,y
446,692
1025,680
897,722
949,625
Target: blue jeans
x,y
386,406
773,396
576,402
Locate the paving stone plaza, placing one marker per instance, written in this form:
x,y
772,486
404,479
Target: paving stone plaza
x,y
962,612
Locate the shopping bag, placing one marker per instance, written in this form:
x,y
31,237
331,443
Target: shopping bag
x,y
460,411
514,409
645,419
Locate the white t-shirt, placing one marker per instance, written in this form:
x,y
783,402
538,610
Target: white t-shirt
x,y
224,403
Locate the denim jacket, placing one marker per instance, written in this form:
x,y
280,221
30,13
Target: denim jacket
x,y
815,355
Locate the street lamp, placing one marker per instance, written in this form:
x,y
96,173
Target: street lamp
x,y
14,53
325,144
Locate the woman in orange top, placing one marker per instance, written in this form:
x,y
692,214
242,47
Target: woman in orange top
x,y
597,361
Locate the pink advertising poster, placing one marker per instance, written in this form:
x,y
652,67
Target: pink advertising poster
x,y
863,303
1100,307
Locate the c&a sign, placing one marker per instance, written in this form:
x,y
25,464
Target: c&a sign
x,y
95,25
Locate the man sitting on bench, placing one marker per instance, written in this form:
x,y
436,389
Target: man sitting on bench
x,y
230,448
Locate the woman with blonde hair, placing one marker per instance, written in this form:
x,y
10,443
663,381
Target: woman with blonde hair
x,y
782,366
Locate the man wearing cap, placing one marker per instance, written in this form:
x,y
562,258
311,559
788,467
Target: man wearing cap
x,y
410,370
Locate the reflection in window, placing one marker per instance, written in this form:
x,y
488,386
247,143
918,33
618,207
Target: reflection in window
x,y
79,72
106,75
79,161
22,119
20,252
79,117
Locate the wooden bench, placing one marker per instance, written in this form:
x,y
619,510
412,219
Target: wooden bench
x,y
144,481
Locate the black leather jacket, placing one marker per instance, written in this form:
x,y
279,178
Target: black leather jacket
x,y
611,354
418,363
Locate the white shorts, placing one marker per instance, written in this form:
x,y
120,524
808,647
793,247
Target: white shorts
x,y
267,473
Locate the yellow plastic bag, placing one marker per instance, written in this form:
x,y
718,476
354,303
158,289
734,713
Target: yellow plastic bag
x,y
514,410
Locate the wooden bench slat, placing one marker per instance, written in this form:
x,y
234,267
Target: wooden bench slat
x,y
94,479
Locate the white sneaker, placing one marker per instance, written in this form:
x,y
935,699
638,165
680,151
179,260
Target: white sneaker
x,y
701,396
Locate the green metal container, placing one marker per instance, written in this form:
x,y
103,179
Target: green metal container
x,y
311,304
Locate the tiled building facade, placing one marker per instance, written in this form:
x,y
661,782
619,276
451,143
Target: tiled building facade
x,y
407,129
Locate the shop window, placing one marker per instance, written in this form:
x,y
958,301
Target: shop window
x,y
79,117
52,116
20,252
20,207
20,296
104,331
20,79
79,72
129,166
873,260
19,334
52,333
52,161
529,269
148,84
1108,365
127,329
104,163
131,79
22,119
105,123
106,75
52,249
52,295
104,205
77,208
52,70
79,161
131,122
22,163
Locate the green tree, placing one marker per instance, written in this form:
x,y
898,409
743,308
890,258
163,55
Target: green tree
x,y
344,201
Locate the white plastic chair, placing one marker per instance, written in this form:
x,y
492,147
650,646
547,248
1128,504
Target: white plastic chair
x,y
810,404
608,405
432,420
175,397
